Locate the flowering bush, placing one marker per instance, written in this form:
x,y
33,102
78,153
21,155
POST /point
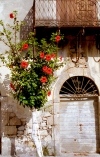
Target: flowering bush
x,y
31,73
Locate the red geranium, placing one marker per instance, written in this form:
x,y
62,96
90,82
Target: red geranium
x,y
49,93
53,55
60,58
48,57
25,46
12,86
41,54
24,64
11,15
43,79
57,38
44,68
49,71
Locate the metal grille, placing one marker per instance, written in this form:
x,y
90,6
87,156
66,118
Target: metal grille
x,y
79,86
28,27
67,13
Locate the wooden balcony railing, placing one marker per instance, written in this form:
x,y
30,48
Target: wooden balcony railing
x,y
67,13
62,13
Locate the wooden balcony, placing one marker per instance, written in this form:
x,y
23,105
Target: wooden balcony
x,y
67,13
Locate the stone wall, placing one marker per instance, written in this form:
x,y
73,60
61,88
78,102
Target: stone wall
x,y
18,129
16,121
16,125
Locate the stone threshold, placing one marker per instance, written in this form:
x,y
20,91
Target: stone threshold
x,y
65,155
80,155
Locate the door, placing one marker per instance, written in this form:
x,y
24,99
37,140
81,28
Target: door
x,y
79,126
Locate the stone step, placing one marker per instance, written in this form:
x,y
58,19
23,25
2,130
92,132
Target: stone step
x,y
80,155
65,155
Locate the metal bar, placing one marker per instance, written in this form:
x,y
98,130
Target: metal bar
x,y
33,14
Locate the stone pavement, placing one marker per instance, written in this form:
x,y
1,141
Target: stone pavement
x,y
67,155
81,155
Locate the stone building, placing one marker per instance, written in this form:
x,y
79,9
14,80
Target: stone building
x,y
69,124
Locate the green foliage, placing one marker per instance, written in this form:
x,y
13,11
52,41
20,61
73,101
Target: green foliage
x,y
32,64
45,151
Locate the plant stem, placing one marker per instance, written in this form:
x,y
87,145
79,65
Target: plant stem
x,y
9,40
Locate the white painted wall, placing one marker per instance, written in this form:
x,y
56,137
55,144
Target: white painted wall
x,y
49,116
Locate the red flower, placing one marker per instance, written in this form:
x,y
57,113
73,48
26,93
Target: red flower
x,y
25,46
43,79
42,55
44,68
49,71
12,86
53,55
48,57
24,64
11,15
49,93
57,38
60,58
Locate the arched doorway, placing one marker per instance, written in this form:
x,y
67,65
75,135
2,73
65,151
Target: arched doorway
x,y
79,116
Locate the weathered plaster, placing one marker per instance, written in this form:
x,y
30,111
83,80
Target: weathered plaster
x,y
18,140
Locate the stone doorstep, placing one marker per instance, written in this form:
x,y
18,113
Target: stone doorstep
x,y
67,155
5,156
80,155
70,155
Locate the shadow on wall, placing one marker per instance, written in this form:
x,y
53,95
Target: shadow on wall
x,y
96,112
14,116
28,25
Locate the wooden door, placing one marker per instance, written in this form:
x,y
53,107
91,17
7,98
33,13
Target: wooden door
x,y
79,128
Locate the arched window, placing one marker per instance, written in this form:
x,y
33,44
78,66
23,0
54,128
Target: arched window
x,y
79,86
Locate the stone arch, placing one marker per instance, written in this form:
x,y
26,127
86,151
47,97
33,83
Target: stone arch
x,y
79,86
61,80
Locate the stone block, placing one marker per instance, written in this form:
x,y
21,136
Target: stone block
x,y
20,132
49,126
6,118
46,114
44,128
10,130
43,132
23,119
47,138
29,131
23,122
50,120
43,124
25,132
29,125
44,119
12,115
15,121
21,128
